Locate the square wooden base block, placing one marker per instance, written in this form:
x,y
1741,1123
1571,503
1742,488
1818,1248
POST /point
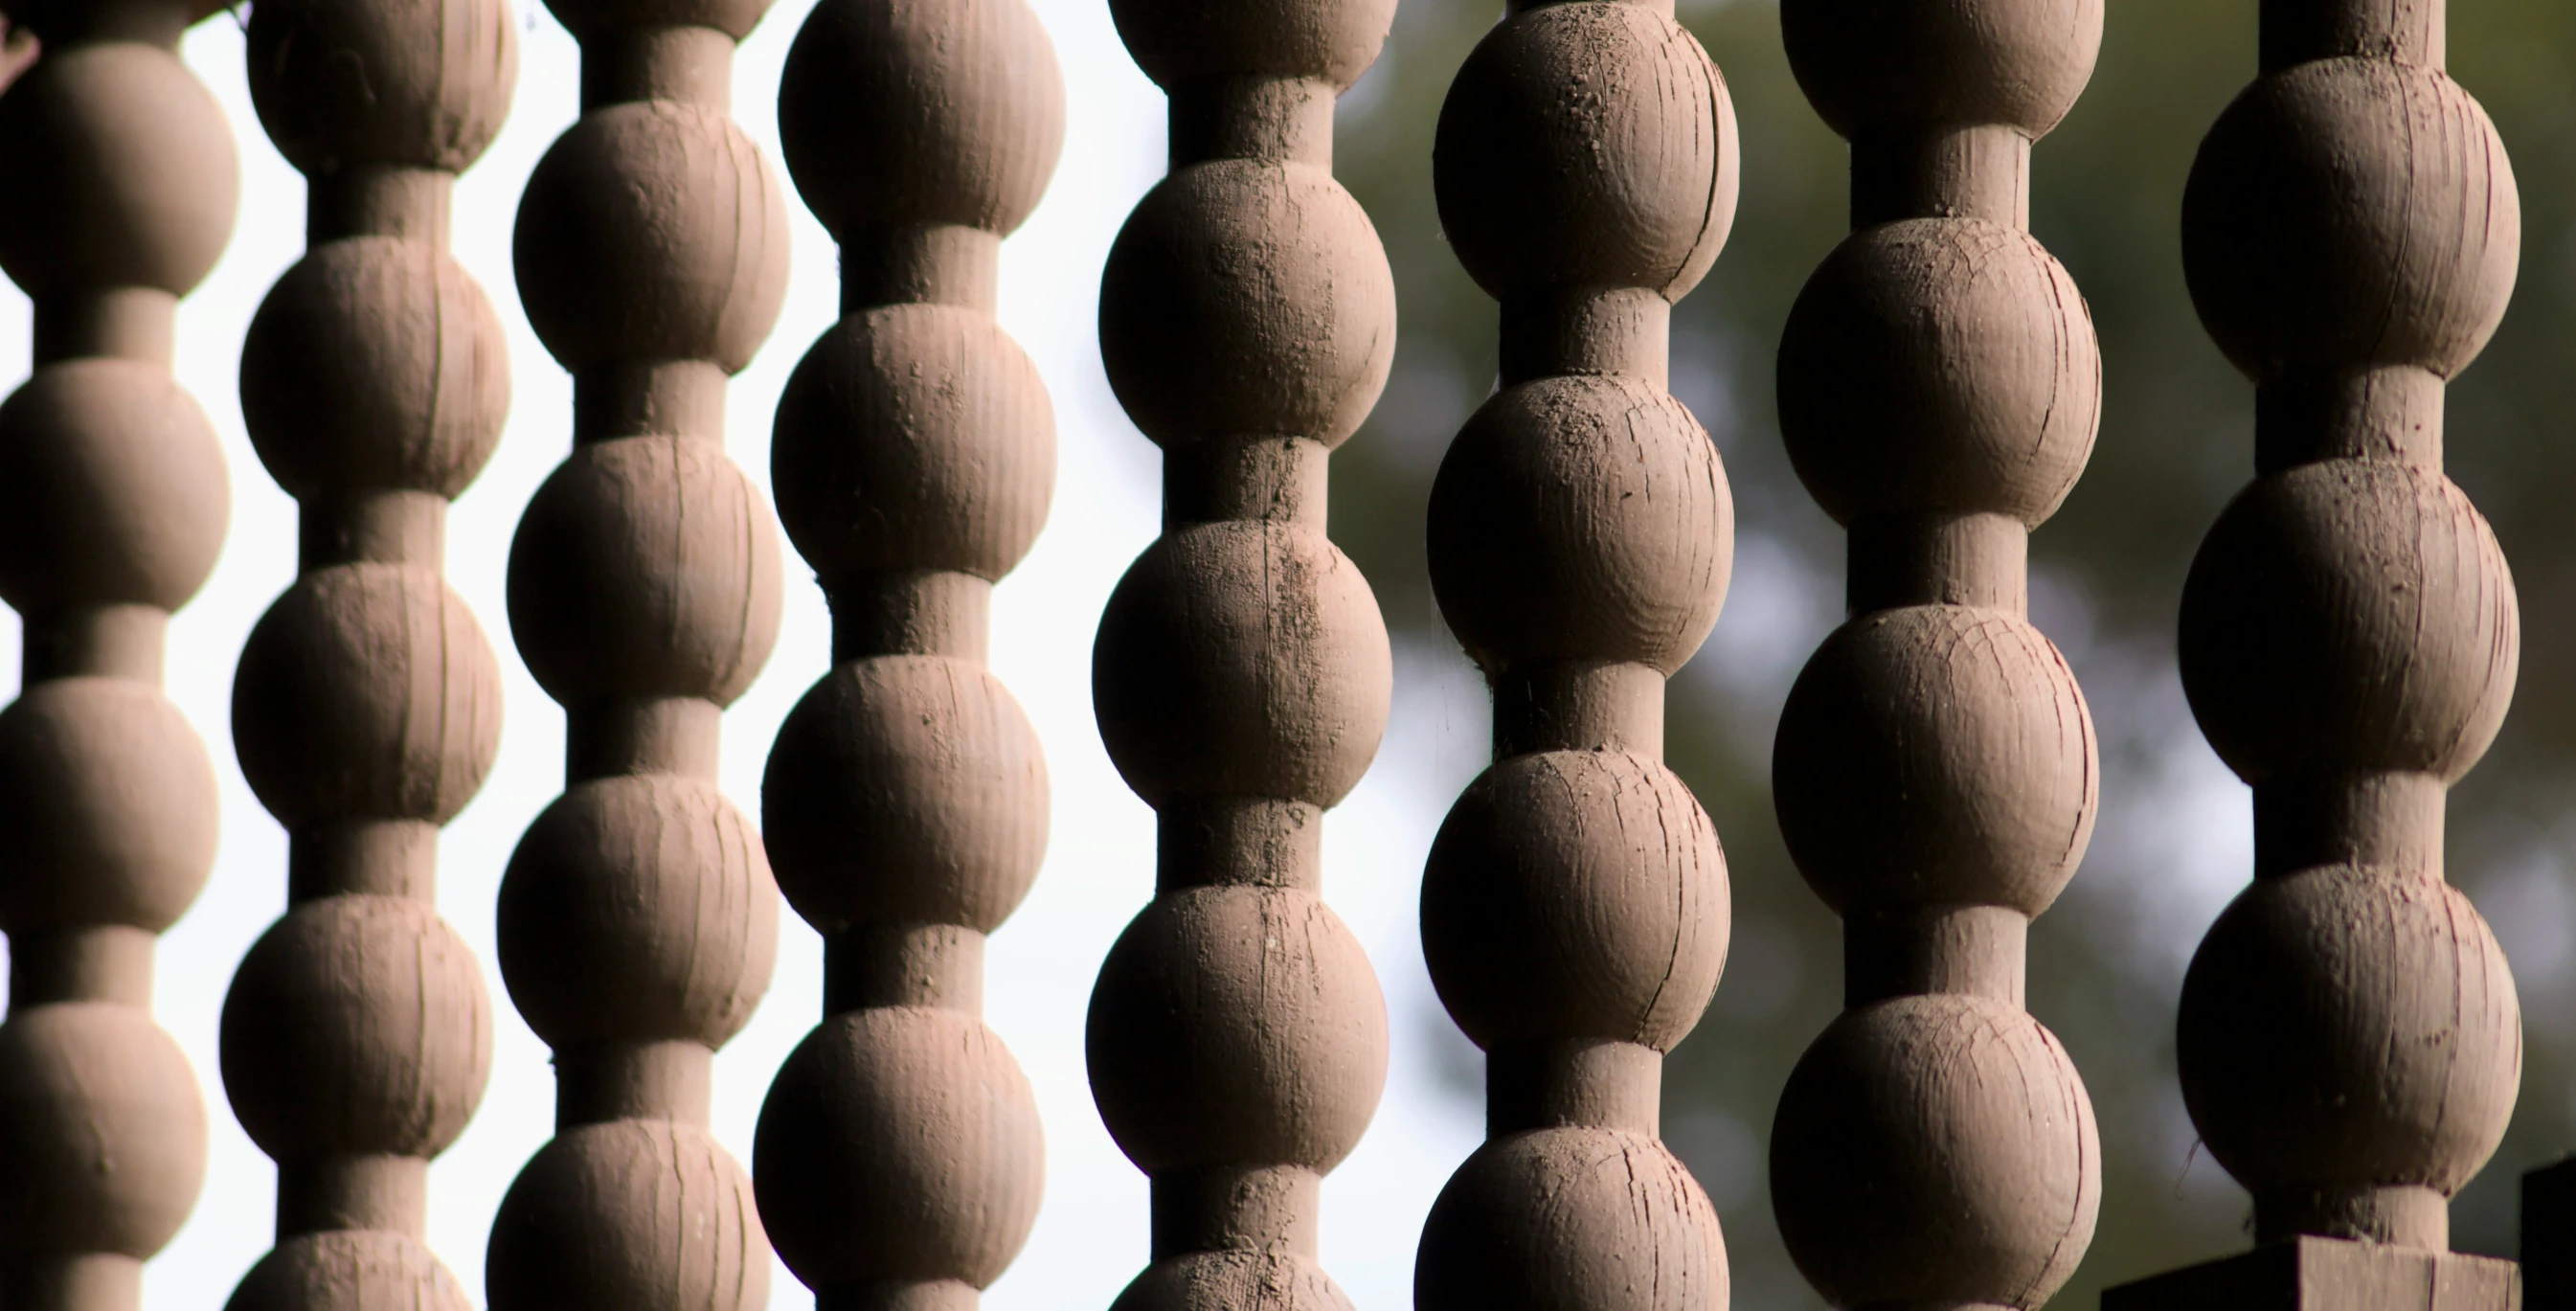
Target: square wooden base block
x,y
2329,1274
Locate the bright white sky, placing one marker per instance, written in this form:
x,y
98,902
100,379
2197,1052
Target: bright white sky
x,y
1090,1236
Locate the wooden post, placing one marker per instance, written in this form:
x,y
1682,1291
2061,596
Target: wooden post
x,y
900,1159
121,181
1935,770
1574,910
367,711
638,920
1237,1039
2349,1041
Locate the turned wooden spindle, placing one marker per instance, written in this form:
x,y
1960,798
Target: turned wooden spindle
x,y
2349,1041
1574,910
1935,771
1237,1037
899,1158
638,920
120,180
366,712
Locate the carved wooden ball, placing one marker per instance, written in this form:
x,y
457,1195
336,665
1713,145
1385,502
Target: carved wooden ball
x,y
1576,894
1180,42
1224,1281
423,83
110,801
899,1143
591,624
652,230
367,691
906,790
2349,212
1940,365
1247,298
638,908
112,489
1590,146
1936,755
1868,66
894,113
378,336
2350,1027
1242,659
136,165
627,1214
1236,1026
342,1268
1602,1219
2350,616
914,437
1583,517
1936,1151
357,1026
590,20
102,1134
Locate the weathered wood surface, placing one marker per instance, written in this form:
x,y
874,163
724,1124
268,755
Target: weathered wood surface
x,y
1574,909
638,919
900,1159
1237,1039
367,710
1935,771
2349,1041
121,183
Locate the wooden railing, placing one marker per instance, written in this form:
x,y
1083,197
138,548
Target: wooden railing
x,y
2349,1039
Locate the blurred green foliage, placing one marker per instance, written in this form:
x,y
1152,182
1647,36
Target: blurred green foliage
x,y
2176,442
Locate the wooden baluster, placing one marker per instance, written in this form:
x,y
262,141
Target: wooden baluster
x,y
1935,770
899,1159
2349,1040
121,181
1574,910
1237,1037
367,710
638,920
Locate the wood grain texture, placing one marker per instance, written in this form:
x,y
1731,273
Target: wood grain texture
x,y
2350,1044
367,709
2349,1040
900,1160
1575,906
1237,1038
122,183
1935,771
638,917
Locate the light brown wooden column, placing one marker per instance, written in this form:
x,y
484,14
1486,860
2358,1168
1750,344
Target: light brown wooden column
x,y
900,1159
1574,910
1935,771
117,190
638,919
2350,1044
1237,1038
367,708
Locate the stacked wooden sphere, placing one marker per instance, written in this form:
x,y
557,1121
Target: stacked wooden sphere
x,y
1574,911
1247,318
375,379
638,919
121,183
1935,771
2350,1042
899,1157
